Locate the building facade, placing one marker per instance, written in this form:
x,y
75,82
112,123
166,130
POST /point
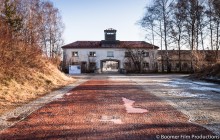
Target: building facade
x,y
186,60
110,55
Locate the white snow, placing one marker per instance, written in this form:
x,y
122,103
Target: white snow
x,y
179,82
130,109
181,94
204,83
69,93
184,94
202,86
111,119
58,96
169,85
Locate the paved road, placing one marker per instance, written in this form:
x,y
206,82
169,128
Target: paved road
x,y
110,107
199,100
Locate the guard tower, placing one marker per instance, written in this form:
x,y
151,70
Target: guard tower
x,y
110,34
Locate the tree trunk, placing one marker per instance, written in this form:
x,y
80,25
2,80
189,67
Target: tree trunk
x,y
201,35
179,55
211,34
161,45
165,37
217,40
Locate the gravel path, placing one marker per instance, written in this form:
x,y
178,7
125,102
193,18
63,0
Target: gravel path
x,y
106,109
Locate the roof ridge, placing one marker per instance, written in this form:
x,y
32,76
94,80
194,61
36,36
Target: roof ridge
x,y
99,44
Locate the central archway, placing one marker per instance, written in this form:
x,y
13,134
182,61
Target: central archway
x,y
110,65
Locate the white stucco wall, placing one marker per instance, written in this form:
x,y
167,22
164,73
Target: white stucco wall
x,y
101,54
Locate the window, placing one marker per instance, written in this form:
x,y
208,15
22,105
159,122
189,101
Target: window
x,y
110,33
110,54
185,65
92,54
145,54
75,54
145,65
177,65
127,54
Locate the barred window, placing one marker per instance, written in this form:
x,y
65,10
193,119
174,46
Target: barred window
x,y
145,54
92,54
185,65
75,54
127,54
110,54
177,65
145,65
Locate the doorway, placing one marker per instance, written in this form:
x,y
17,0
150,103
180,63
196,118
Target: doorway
x,y
110,66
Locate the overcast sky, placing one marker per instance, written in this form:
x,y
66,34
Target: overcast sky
x,y
87,19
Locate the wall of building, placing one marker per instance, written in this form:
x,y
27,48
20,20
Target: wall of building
x,y
184,64
101,54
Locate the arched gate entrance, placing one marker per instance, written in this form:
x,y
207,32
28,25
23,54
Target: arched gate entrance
x,y
110,65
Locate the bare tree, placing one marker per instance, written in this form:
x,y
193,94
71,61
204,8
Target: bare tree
x,y
162,11
210,15
51,31
21,34
11,16
135,57
193,10
216,5
177,26
148,23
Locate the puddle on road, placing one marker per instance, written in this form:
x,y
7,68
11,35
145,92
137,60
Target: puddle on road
x,y
113,119
129,106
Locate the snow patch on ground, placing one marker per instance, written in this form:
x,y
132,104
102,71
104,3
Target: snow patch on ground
x,y
197,99
181,94
69,93
184,94
111,119
202,86
169,85
179,82
204,83
59,96
129,106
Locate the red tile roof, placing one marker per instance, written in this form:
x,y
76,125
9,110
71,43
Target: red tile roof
x,y
104,44
137,44
83,44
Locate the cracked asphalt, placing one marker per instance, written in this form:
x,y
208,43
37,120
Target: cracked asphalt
x,y
95,110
